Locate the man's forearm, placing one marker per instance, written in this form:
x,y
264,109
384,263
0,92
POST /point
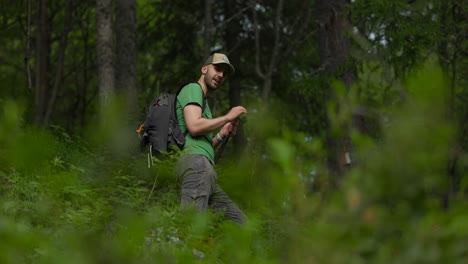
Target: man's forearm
x,y
202,126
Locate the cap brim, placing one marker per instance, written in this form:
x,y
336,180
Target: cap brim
x,y
231,68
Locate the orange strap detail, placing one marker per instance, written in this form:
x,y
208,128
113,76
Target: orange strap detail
x,y
139,129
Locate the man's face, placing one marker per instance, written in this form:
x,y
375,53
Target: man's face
x,y
215,74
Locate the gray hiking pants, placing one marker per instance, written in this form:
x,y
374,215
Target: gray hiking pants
x,y
199,187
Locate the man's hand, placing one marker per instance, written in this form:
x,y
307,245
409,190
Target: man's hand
x,y
229,128
235,112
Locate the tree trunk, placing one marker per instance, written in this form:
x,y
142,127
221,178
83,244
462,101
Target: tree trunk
x,y
60,60
232,31
208,28
42,55
334,53
451,59
104,51
27,56
126,78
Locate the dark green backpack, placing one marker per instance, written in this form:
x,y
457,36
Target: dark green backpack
x,y
161,131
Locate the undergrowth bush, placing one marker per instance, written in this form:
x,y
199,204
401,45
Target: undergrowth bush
x,y
66,199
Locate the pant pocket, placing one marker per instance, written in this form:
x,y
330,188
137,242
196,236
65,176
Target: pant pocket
x,y
198,198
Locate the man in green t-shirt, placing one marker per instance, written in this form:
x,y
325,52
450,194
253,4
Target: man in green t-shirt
x,y
195,167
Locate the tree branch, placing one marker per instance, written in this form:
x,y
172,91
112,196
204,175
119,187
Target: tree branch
x,y
277,45
305,19
257,42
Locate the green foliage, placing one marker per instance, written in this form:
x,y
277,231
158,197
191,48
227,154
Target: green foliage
x,y
66,199
90,199
399,31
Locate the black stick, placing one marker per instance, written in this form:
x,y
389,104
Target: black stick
x,y
221,149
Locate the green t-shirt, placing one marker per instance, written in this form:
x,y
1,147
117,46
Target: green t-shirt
x,y
193,94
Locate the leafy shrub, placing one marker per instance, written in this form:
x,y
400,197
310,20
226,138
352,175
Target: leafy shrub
x,y
64,200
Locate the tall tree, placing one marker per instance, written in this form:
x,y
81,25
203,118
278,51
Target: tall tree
x,y
270,65
42,57
105,58
278,31
234,44
208,28
126,51
453,54
334,48
60,61
401,35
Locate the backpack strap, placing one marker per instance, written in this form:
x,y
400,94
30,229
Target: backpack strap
x,y
203,100
204,96
203,104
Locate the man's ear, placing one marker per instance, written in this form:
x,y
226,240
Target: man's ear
x,y
204,69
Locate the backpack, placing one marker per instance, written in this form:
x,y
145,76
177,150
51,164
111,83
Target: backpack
x,y
161,130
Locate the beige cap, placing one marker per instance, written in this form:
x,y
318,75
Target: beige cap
x,y
219,58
